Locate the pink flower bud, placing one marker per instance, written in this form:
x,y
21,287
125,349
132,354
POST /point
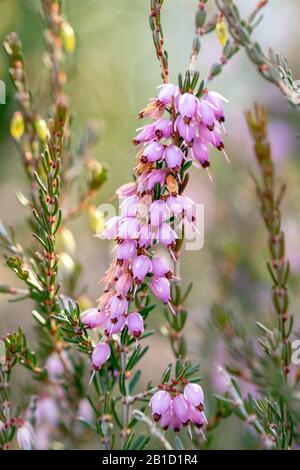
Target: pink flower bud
x,y
93,317
85,410
127,250
117,306
187,105
100,355
186,130
173,156
164,128
158,213
47,411
114,327
54,366
194,394
167,93
153,152
135,324
141,266
160,267
160,403
161,288
181,408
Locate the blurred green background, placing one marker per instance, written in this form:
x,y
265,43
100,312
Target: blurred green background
x,y
112,75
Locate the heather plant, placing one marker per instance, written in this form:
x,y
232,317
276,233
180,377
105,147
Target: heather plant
x,y
265,363
88,366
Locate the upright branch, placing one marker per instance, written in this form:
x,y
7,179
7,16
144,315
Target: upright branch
x,y
158,38
58,35
202,27
270,200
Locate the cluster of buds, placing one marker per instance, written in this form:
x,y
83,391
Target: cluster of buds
x,y
151,205
175,409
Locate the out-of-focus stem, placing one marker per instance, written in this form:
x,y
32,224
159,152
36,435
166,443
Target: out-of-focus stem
x,y
270,209
158,39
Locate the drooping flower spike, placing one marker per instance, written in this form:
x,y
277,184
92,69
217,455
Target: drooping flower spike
x,y
185,126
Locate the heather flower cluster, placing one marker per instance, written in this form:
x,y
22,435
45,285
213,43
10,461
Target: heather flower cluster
x,y
176,409
184,128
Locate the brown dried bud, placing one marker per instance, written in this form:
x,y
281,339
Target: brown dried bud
x,y
172,184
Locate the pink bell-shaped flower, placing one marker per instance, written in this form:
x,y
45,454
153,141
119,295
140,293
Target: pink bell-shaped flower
x,y
193,393
145,236
160,267
117,306
129,206
153,152
175,205
166,235
216,100
161,288
165,419
158,212
160,404
100,355
123,284
111,227
181,408
164,128
173,156
186,130
196,417
93,317
141,266
200,152
167,93
187,105
112,327
175,423
156,176
127,250
146,134
135,324
129,227
206,114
